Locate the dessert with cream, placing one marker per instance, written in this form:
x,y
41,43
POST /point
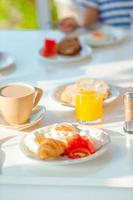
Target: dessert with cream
x,y
64,139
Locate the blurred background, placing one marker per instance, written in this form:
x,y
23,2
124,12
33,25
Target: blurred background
x,y
34,14
18,14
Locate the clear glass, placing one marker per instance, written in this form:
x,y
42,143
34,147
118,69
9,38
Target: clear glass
x,y
89,107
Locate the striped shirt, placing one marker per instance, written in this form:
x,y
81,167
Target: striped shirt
x,y
112,12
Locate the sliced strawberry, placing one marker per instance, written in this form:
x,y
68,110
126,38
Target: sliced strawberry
x,y
78,153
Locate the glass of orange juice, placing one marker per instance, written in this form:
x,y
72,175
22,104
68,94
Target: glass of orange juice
x,y
89,106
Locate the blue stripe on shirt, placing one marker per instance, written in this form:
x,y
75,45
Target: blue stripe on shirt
x,y
112,11
112,1
118,8
122,24
116,16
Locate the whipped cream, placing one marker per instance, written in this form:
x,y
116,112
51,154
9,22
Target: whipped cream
x,y
97,137
30,143
61,134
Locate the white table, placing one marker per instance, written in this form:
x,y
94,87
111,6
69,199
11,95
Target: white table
x,y
24,45
113,179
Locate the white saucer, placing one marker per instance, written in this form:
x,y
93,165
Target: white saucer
x,y
6,60
37,114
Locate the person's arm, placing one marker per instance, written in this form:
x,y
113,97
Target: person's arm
x,y
90,16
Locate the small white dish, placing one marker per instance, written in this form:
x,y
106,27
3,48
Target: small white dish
x,y
6,60
36,116
112,35
63,160
56,93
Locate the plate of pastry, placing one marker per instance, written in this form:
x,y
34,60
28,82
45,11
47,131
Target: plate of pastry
x,y
105,36
66,94
64,144
67,50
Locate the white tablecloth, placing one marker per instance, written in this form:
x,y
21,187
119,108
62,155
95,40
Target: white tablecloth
x,y
113,64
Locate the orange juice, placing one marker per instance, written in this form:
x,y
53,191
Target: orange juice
x,y
89,106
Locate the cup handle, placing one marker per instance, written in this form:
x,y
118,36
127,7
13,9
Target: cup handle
x,y
39,93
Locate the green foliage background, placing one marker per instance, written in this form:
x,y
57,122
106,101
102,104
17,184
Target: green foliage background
x,y
54,12
18,14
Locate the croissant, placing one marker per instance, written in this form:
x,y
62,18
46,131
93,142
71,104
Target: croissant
x,y
50,148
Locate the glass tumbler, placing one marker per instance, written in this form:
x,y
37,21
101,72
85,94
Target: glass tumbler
x,y
89,107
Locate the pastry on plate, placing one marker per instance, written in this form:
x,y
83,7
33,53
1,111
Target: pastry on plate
x,y
44,148
63,141
68,95
50,148
69,46
51,143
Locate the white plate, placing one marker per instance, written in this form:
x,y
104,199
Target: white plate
x,y
55,95
64,160
6,60
37,114
84,54
115,35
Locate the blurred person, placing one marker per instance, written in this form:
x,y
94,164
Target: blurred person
x,y
110,12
